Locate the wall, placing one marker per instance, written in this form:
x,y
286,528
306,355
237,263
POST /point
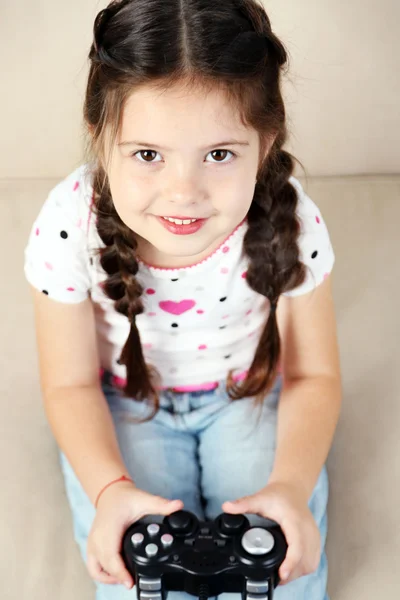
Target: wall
x,y
342,93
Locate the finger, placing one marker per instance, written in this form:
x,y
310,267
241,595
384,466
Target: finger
x,y
96,571
295,549
295,574
115,566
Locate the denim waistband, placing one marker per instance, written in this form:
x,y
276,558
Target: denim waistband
x,y
115,381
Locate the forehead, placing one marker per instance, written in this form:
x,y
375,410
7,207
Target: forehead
x,y
169,114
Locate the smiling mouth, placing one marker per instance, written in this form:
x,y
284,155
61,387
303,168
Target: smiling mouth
x,y
181,220
181,227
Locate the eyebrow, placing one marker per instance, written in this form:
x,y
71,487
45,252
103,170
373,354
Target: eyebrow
x,y
156,146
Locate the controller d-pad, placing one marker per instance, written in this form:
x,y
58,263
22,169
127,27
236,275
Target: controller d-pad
x,y
150,584
150,595
257,587
180,522
258,541
231,524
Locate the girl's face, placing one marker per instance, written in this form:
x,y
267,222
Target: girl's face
x,y
185,156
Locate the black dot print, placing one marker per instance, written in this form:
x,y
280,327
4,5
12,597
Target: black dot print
x,y
45,292
314,254
119,362
223,299
91,261
64,235
223,327
229,355
174,325
174,279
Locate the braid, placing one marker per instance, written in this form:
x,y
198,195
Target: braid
x,y
118,260
270,243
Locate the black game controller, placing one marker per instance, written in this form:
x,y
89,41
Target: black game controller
x,y
204,558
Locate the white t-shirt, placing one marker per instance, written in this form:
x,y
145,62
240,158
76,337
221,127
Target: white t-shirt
x,y
199,321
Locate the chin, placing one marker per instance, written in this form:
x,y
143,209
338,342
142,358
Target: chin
x,y
183,253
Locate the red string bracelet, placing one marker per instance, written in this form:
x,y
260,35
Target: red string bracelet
x,y
122,478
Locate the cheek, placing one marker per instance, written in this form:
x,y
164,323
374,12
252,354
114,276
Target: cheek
x,y
239,185
235,199
130,198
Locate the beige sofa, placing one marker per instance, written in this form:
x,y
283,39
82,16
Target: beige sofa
x,y
38,556
343,97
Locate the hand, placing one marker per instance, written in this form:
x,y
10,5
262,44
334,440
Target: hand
x,y
287,505
119,506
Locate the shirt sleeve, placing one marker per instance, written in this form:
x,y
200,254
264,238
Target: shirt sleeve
x,y
316,251
56,256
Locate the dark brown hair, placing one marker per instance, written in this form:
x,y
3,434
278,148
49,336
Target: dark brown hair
x,y
229,45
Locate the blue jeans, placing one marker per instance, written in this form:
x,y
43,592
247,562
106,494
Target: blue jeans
x,y
204,449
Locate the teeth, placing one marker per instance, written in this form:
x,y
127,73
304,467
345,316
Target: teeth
x,y
179,221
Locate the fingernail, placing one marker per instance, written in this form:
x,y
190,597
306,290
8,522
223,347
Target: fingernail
x,y
127,584
285,574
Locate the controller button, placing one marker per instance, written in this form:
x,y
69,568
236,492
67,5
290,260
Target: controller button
x,y
189,541
167,540
232,523
205,530
151,550
145,583
257,597
180,521
150,596
257,587
220,543
153,529
137,539
258,541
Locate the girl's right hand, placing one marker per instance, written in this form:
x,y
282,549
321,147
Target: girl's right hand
x,y
119,506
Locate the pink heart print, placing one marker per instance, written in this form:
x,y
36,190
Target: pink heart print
x,y
177,308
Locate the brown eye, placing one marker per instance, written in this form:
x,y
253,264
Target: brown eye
x,y
219,152
146,154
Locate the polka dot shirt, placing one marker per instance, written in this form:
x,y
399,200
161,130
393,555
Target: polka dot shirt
x,y
199,322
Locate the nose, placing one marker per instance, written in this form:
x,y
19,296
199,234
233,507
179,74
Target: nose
x,y
183,190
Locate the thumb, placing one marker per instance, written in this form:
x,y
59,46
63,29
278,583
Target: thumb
x,y
242,505
162,506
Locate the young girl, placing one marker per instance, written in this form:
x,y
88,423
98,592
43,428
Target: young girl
x,y
182,291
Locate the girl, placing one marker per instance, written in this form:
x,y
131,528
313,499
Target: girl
x,y
159,264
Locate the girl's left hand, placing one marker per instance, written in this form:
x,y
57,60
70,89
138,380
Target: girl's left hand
x,y
287,505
